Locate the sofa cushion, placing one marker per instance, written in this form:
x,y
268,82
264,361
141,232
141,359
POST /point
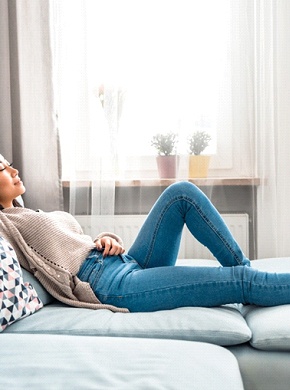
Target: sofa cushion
x,y
270,325
18,298
219,325
70,362
43,294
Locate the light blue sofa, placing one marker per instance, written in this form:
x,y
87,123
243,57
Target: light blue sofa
x,y
229,347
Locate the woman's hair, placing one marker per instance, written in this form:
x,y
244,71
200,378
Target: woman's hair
x,y
15,204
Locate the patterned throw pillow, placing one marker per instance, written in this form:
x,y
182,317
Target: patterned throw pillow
x,y
17,299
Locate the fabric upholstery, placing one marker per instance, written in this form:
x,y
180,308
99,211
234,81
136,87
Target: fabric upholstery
x,y
262,370
70,362
270,325
43,294
18,299
221,326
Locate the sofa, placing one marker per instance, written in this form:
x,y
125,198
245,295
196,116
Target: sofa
x,y
231,347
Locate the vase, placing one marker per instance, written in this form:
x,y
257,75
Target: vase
x,y
198,166
167,166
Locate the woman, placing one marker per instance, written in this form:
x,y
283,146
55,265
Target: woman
x,y
98,274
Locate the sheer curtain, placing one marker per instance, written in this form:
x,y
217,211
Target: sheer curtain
x,y
87,128
28,133
124,72
230,73
272,83
157,68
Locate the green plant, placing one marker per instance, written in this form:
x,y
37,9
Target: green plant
x,y
198,141
165,143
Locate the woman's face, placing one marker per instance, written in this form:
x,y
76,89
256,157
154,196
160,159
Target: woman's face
x,y
10,184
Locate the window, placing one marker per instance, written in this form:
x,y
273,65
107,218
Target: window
x,y
128,69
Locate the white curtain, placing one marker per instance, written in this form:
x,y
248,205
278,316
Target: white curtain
x,y
87,129
28,133
158,68
243,75
272,86
125,72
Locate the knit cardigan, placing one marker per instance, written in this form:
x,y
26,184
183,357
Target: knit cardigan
x,y
52,246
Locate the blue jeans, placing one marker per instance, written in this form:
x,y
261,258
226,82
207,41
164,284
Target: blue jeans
x,y
146,278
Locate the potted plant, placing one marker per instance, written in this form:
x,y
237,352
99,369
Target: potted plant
x,y
167,159
198,162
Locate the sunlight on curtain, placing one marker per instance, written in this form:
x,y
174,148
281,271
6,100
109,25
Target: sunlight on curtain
x,y
273,121
156,67
169,62
266,125
166,61
126,70
262,30
87,150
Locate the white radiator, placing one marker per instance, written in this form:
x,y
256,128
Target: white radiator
x,y
127,227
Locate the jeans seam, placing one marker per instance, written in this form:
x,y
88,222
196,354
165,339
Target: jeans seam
x,y
168,205
211,225
159,289
202,215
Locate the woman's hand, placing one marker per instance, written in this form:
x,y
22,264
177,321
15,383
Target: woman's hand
x,y
110,246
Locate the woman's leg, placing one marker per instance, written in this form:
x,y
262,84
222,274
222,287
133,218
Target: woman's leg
x,y
158,241
120,281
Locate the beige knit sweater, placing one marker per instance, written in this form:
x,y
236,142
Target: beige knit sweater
x,y
53,246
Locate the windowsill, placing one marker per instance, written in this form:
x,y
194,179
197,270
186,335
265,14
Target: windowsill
x,y
208,181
